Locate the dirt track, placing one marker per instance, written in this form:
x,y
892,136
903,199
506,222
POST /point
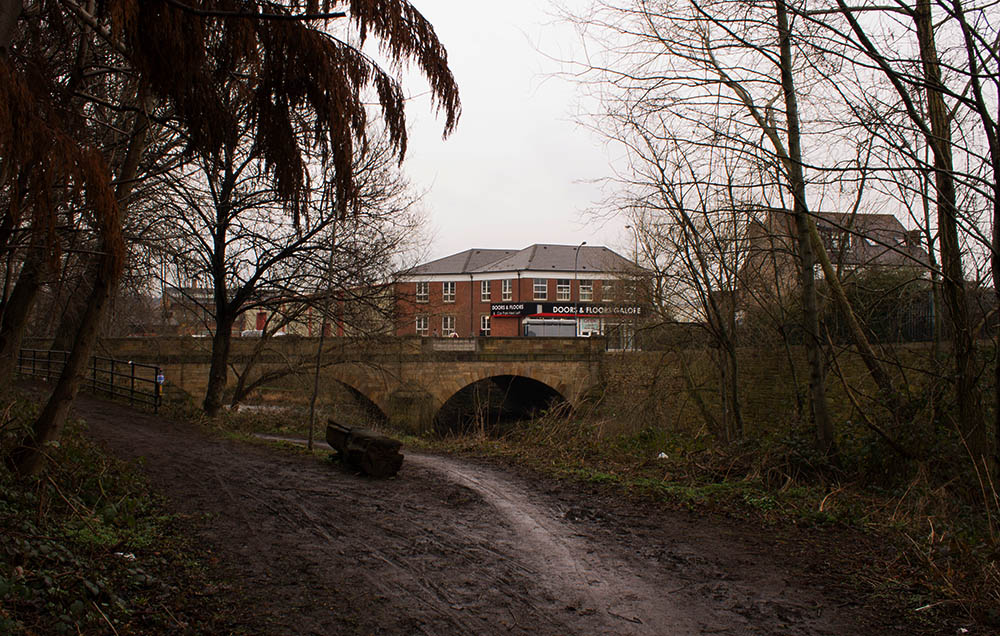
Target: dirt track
x,y
455,547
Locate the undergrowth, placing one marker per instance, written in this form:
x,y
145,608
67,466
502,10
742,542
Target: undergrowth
x,y
85,548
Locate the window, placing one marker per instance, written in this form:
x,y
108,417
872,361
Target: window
x,y
423,292
448,292
839,242
484,291
484,325
609,290
590,326
506,291
541,288
421,325
586,291
563,289
834,240
447,325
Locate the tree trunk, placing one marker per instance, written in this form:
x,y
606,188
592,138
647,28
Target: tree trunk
x,y
992,133
804,228
893,402
225,309
16,309
74,306
970,415
723,328
734,369
322,332
734,391
218,372
29,457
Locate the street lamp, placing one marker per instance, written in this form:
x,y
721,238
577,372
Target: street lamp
x,y
576,277
626,338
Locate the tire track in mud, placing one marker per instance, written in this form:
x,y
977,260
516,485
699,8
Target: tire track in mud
x,y
624,603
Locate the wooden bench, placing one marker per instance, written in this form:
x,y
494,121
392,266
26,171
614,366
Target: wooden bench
x,y
364,450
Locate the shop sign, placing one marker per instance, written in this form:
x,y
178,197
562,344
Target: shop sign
x,y
563,309
509,309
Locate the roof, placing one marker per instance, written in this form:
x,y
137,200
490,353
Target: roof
x,y
538,257
875,239
461,263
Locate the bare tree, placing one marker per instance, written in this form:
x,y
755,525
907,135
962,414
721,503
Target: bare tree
x,y
847,107
934,95
226,225
694,240
696,76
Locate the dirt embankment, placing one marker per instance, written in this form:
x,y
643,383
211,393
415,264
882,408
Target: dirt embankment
x,y
455,547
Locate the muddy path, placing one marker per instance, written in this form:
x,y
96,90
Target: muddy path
x,y
452,546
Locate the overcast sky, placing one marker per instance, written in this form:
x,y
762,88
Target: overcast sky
x,y
518,170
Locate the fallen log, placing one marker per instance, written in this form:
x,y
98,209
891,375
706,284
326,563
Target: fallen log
x,y
364,450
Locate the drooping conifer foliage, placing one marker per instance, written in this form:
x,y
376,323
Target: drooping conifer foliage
x,y
84,83
298,76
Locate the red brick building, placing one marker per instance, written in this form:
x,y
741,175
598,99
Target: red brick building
x,y
541,290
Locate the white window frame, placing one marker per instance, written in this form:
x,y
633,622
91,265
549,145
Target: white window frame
x,y
448,291
422,324
586,291
564,289
447,325
484,325
540,285
484,291
506,290
609,290
423,292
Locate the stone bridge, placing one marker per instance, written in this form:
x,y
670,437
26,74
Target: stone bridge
x,y
409,379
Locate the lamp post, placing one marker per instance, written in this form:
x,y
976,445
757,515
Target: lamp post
x,y
576,278
625,337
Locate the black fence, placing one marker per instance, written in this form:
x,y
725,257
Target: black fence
x,y
138,383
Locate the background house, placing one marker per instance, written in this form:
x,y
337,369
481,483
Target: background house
x,y
853,241
883,266
539,290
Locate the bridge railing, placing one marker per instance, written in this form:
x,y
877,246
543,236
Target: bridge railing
x,y
138,383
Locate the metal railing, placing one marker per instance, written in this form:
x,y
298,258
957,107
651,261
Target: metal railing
x,y
139,383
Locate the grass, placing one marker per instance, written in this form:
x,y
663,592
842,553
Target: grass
x,y
87,548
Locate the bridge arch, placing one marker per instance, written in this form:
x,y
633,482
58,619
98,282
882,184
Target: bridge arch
x,y
359,408
493,404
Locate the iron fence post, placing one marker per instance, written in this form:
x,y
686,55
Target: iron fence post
x,y
157,388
